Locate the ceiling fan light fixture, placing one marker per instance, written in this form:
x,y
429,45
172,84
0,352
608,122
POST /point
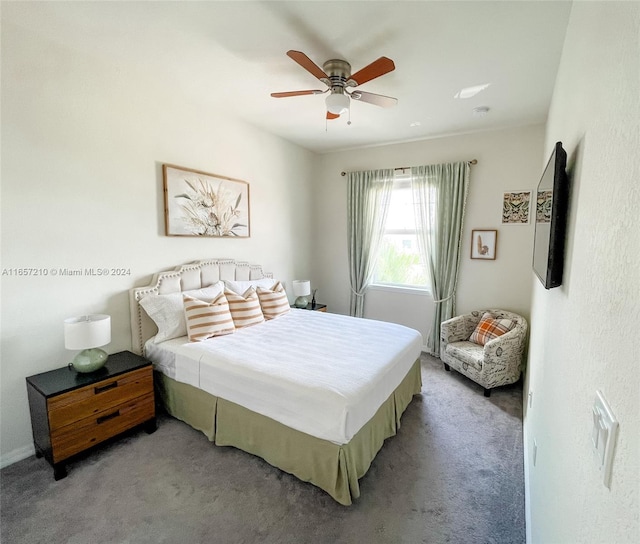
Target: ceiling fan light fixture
x,y
336,75
337,103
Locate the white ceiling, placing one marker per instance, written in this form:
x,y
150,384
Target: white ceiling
x,y
234,54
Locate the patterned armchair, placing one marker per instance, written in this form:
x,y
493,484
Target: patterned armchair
x,y
496,363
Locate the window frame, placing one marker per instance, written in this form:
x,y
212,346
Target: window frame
x,y
401,181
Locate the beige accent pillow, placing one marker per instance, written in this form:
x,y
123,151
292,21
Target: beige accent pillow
x,y
167,311
245,309
274,301
207,319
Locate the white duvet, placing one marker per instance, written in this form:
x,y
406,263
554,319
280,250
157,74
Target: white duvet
x,y
323,374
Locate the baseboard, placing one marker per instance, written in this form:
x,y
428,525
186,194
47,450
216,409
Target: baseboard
x,y
527,491
16,455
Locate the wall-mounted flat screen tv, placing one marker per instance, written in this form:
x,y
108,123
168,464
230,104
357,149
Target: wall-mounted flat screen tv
x,y
551,211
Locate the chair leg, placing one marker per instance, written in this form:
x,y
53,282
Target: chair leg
x,y
487,392
447,367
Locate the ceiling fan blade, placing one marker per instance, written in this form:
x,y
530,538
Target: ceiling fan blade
x,y
377,99
296,93
332,115
309,65
376,69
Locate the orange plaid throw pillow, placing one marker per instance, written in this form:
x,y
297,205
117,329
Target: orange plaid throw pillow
x,y
489,328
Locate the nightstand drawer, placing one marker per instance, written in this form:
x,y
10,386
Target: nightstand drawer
x,y
70,407
92,430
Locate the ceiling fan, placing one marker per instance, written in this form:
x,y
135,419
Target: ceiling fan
x,y
336,75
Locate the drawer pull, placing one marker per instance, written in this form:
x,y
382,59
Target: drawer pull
x,y
104,388
102,419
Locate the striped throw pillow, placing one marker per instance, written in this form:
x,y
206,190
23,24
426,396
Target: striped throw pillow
x,y
207,319
274,301
489,328
245,309
167,311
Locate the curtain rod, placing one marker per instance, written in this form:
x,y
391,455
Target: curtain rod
x,y
473,161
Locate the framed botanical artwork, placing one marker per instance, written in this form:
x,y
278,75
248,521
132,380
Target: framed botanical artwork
x,y
515,207
200,204
483,244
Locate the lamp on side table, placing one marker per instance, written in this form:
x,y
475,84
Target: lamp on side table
x,y
301,289
88,333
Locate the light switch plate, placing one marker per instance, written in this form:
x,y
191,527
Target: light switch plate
x,y
603,436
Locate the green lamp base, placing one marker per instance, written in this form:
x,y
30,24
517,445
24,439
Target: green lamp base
x,y
89,360
301,302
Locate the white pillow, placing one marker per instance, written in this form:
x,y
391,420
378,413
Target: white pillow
x,y
240,287
167,311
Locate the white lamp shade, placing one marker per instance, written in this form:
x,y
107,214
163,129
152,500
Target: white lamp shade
x,y
89,331
337,103
301,288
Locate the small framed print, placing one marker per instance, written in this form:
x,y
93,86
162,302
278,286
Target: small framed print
x,y
483,244
515,207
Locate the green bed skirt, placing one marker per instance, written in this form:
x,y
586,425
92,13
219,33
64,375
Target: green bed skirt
x,y
332,467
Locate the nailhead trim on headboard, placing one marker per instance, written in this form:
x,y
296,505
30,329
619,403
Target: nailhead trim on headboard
x,y
140,322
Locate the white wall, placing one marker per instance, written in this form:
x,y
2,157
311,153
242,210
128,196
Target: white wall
x,y
584,333
82,148
507,160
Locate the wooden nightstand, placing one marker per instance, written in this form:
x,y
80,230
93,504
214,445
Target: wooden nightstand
x,y
316,308
71,412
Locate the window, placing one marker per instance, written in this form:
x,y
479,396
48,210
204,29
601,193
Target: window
x,y
399,263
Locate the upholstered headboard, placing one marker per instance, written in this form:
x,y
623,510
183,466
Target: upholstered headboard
x,y
183,278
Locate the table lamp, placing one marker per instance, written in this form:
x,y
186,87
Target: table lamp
x,y
301,289
88,333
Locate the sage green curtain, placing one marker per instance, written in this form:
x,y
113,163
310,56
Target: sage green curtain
x,y
440,194
368,199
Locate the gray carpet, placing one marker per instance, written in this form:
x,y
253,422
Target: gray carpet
x,y
453,473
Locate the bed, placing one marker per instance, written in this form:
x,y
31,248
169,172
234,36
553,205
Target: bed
x,y
312,393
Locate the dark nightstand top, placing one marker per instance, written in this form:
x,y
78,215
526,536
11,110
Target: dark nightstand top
x,y
317,307
61,380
